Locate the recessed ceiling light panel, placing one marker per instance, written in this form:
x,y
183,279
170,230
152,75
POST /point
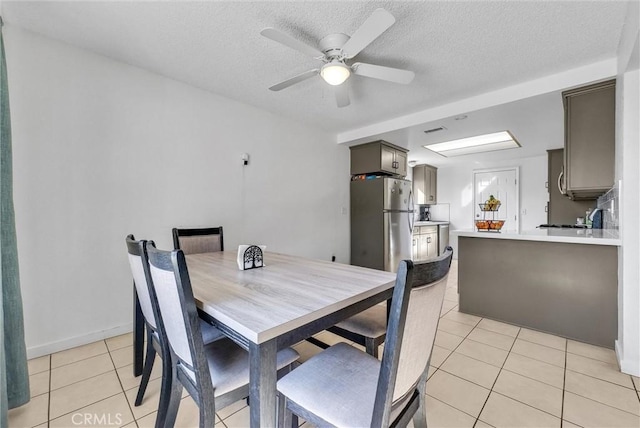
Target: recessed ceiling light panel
x,y
478,144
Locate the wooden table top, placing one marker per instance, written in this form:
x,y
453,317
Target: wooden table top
x,y
287,293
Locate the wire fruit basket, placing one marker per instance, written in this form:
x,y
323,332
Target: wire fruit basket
x,y
487,206
489,225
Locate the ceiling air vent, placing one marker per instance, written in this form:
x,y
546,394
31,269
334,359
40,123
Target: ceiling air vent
x,y
440,128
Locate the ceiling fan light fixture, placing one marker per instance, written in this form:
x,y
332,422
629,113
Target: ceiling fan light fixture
x,y
335,73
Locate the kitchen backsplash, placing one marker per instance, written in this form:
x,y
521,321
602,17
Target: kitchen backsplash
x,y
438,212
609,203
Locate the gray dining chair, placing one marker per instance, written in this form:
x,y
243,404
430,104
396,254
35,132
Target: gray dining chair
x,y
367,328
138,264
345,387
198,240
215,375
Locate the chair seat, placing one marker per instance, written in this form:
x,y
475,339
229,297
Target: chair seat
x,y
229,365
345,398
369,323
209,332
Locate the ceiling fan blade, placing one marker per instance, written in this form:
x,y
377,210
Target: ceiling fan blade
x,y
287,40
296,79
342,95
379,21
383,73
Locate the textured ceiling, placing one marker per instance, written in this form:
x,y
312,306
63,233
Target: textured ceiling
x,y
457,49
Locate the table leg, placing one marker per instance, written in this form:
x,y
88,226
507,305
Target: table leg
x,y
262,379
138,335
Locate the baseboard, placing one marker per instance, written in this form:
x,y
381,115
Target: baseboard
x,y
627,366
72,342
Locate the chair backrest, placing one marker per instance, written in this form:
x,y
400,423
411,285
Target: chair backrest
x,y
178,313
137,264
195,241
413,320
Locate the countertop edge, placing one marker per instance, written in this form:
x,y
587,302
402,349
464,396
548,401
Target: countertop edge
x,y
588,240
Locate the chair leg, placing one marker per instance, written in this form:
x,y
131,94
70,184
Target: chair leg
x,y
281,411
420,416
286,418
174,403
207,416
165,387
146,371
371,347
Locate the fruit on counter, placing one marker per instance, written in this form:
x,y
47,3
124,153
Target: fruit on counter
x,y
489,224
491,204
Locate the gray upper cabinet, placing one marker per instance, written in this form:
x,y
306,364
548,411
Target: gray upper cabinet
x,y
425,184
589,155
562,210
378,157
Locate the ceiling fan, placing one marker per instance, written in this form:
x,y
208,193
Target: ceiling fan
x,y
335,49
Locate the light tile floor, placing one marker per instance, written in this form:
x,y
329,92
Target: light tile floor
x,y
483,373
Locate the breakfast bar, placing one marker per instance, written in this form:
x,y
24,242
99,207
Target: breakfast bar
x,y
559,281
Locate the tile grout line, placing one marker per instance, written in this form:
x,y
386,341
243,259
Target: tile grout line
x,y
528,405
90,377
90,404
496,380
474,358
576,393
600,379
447,357
115,369
457,346
531,378
594,359
91,356
87,405
603,404
49,393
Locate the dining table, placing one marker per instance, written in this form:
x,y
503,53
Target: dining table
x,y
273,307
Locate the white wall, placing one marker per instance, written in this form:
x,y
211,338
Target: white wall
x,y
103,149
627,161
455,187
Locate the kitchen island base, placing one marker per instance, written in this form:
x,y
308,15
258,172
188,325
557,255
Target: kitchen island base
x,y
566,289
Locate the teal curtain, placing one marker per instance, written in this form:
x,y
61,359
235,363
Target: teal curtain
x,y
14,374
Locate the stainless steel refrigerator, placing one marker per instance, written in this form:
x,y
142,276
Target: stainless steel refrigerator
x,y
381,222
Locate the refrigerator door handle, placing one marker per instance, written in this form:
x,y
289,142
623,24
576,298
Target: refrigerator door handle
x,y
411,213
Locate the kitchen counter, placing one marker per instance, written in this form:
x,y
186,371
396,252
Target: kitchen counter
x,y
429,223
560,281
570,236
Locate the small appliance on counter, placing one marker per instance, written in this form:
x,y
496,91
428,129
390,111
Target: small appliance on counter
x,y
596,218
425,215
